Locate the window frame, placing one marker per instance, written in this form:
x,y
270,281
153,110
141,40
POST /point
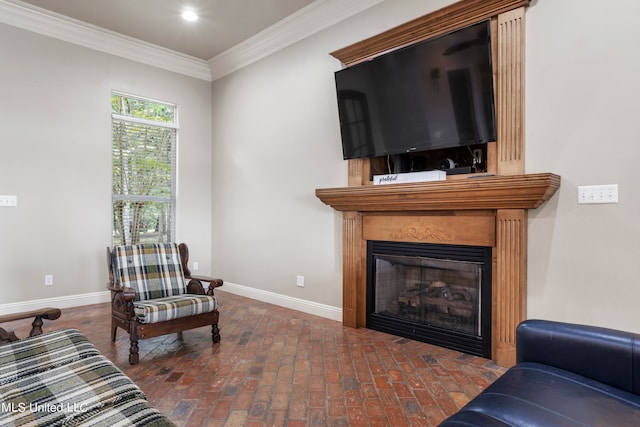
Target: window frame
x,y
171,200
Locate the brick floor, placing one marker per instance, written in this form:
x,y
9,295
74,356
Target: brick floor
x,y
280,367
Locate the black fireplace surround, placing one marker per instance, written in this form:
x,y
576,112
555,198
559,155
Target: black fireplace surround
x,y
434,293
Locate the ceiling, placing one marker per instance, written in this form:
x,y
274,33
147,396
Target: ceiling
x,y
222,24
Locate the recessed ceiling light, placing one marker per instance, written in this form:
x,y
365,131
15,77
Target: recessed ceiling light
x,y
189,15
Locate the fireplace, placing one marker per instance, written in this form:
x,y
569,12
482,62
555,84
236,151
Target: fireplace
x,y
488,212
439,294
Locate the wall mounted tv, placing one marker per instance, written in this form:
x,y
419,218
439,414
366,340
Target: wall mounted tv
x,y
431,95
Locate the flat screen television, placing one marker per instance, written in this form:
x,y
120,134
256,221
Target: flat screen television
x,y
431,95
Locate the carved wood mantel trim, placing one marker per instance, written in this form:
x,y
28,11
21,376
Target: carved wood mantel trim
x,y
510,92
352,267
509,290
460,229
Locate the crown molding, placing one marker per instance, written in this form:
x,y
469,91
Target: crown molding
x,y
37,20
307,21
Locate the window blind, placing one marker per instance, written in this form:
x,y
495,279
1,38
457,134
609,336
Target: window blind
x,y
144,171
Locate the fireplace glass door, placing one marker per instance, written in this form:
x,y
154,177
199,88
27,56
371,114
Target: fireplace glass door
x,y
440,293
430,296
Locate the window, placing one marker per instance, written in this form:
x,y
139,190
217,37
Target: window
x,y
144,170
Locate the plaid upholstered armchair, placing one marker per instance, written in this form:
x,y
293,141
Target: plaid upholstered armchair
x,y
153,293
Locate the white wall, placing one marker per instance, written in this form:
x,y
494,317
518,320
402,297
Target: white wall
x,y
276,139
582,123
55,156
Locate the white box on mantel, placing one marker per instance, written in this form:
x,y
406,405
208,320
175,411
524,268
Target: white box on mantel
x,y
404,178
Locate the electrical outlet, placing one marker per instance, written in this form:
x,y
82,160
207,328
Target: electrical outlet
x,y
195,266
300,281
596,194
48,280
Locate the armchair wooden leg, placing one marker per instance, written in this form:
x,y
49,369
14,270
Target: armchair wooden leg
x,y
215,332
114,330
134,357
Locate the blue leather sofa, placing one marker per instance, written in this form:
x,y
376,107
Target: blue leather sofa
x,y
565,375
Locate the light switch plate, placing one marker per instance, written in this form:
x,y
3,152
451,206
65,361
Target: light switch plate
x,y
597,194
8,200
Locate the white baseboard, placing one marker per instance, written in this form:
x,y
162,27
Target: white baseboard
x,y
56,302
309,307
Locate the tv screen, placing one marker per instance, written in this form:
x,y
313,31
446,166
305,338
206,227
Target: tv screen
x,y
431,95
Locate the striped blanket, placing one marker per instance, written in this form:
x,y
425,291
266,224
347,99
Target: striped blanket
x,y
60,379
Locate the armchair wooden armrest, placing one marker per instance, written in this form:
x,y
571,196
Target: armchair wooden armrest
x,y
214,283
128,294
195,284
36,327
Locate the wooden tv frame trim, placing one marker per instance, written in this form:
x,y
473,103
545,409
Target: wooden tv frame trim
x,y
507,28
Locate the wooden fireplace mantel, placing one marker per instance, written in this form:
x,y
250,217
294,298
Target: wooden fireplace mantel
x,y
474,193
487,211
484,211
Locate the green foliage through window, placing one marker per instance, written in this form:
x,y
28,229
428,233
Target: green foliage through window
x,y
143,182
